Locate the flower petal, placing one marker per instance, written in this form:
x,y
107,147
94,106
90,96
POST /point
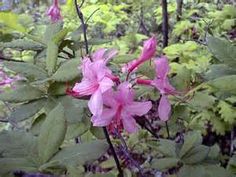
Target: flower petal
x,y
95,103
162,67
139,108
164,108
105,119
85,87
105,84
129,123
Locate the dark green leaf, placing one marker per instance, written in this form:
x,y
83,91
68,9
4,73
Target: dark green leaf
x,y
222,50
22,94
222,83
26,111
80,154
52,133
51,57
167,148
67,71
22,44
190,141
27,70
164,163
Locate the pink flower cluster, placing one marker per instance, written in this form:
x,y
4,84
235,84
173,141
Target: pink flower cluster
x,y
54,12
112,101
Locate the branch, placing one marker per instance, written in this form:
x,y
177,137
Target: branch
x,y
113,152
179,9
81,17
165,23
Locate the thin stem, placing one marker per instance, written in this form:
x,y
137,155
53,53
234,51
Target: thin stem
x,y
167,130
113,152
165,23
81,17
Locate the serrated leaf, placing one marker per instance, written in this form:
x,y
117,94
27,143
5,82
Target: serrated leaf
x,y
190,141
80,154
27,69
202,100
227,112
22,94
222,84
164,163
26,111
196,155
222,50
67,71
23,44
52,133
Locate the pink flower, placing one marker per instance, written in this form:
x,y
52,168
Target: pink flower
x,y
119,109
94,83
54,12
149,49
161,82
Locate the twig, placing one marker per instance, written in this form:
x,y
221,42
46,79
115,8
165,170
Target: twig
x,y
113,152
165,23
81,17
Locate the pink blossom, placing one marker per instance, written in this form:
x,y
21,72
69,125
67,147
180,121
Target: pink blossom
x,y
94,83
54,12
161,82
149,49
119,109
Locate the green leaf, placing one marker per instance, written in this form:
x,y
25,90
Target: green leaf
x,y
196,155
80,154
52,30
167,148
8,165
37,123
190,141
75,130
22,44
10,20
164,164
217,171
222,50
194,171
232,164
222,84
97,132
67,71
26,111
219,70
74,108
51,57
27,69
52,133
18,144
202,100
22,94
227,112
